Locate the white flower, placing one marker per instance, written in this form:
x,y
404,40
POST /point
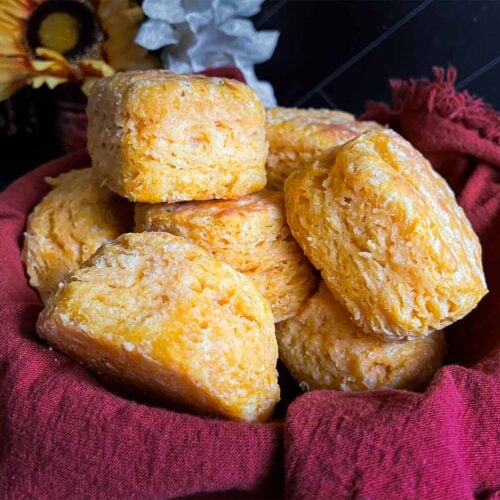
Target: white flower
x,y
200,34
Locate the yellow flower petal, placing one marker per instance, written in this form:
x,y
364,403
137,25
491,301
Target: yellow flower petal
x,y
13,75
12,69
59,65
95,67
20,9
88,83
39,65
7,89
10,47
120,20
51,55
127,17
52,68
11,25
51,81
11,33
108,8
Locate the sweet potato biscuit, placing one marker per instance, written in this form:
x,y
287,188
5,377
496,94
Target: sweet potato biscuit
x,y
296,136
157,311
156,136
387,235
324,349
69,225
251,234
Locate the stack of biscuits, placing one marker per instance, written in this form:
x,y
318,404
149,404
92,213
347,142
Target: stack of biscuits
x,y
210,235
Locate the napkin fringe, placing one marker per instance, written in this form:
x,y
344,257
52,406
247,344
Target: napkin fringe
x,y
438,97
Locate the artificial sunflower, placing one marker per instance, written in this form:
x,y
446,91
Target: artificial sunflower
x,y
56,41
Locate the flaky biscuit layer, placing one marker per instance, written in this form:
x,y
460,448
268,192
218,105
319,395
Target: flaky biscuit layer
x,y
324,349
70,223
388,236
156,136
251,234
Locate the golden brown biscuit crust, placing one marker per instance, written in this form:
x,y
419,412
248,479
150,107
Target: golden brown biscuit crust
x,y
387,234
297,136
324,349
251,234
159,312
156,136
71,222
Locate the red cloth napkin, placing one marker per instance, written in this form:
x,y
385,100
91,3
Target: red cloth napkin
x,y
64,435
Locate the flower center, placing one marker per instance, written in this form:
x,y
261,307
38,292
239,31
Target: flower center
x,y
59,31
69,27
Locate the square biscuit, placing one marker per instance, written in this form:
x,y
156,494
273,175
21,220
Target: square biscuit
x,y
156,136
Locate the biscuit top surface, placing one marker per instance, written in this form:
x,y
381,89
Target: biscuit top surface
x,y
130,81
308,116
263,200
312,130
390,240
247,233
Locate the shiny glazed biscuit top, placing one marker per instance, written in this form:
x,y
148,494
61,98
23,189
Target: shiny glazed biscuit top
x,y
387,235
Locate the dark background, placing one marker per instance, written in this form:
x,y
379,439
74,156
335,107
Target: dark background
x,y
341,53
330,54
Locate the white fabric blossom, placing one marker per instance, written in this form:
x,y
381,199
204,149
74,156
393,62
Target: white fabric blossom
x,y
200,34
